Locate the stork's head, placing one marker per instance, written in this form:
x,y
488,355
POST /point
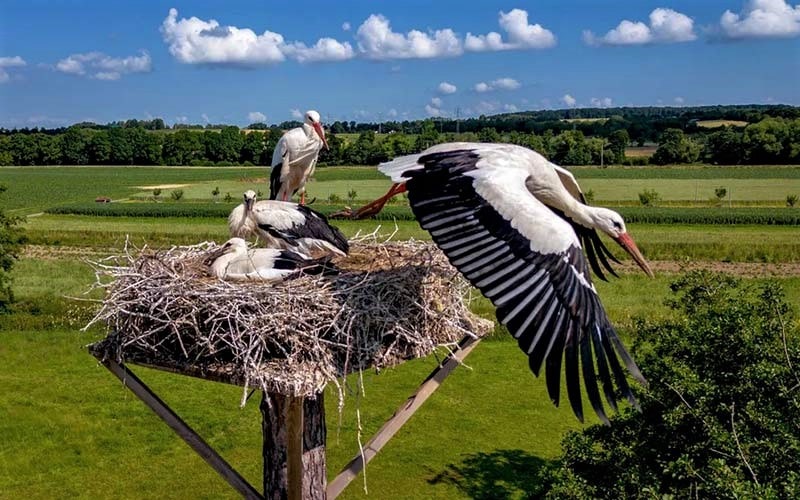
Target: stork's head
x,y
611,223
313,120
249,198
230,246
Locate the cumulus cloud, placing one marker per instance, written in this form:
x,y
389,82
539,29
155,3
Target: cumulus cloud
x,y
604,102
569,100
433,110
679,100
104,67
195,41
296,114
520,34
392,113
447,88
376,40
484,107
9,62
345,26
666,26
256,117
762,19
499,84
205,118
436,101
511,108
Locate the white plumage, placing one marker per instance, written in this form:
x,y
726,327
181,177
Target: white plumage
x,y
295,158
287,225
516,226
234,261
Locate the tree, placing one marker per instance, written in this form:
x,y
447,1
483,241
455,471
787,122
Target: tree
x,y
74,146
570,148
121,147
719,418
724,147
11,240
618,141
253,148
99,148
675,147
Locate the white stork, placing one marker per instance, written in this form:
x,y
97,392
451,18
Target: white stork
x,y
287,225
514,225
234,261
295,158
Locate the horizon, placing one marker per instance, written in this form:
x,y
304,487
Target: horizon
x,y
374,62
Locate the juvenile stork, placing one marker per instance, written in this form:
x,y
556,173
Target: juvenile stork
x,y
234,261
516,226
295,158
287,225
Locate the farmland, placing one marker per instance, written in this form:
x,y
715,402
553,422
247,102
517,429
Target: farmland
x,y
70,423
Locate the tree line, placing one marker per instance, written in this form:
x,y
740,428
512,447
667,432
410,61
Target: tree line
x,y
772,140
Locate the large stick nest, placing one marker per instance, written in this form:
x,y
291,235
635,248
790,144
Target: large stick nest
x,y
393,301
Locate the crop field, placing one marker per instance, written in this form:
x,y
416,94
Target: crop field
x,y
66,421
721,123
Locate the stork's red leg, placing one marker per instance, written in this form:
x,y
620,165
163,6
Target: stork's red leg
x,y
376,206
303,198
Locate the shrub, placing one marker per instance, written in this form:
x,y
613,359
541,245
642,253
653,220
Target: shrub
x,y
11,240
719,418
720,193
334,198
649,197
156,193
791,200
589,195
228,198
351,195
215,193
177,194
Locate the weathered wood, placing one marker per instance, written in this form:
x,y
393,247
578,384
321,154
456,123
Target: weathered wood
x,y
401,416
132,382
278,428
294,448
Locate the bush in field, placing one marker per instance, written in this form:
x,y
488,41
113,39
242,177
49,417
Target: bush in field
x,y
649,197
720,193
334,198
228,198
589,195
720,416
259,194
351,195
177,194
11,240
156,193
791,200
215,193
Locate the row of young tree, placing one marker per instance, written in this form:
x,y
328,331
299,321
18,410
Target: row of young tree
x,y
769,141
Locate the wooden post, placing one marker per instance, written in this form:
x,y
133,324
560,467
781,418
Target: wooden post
x,y
291,424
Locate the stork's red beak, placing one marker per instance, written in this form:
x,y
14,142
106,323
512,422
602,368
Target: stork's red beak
x,y
626,242
321,134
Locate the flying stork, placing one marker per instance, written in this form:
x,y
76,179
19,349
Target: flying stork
x,y
286,225
516,226
295,158
234,261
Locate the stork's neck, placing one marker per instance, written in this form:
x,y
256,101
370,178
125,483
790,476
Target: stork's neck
x,y
309,130
576,211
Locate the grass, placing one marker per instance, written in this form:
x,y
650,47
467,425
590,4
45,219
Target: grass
x,y
622,189
640,151
721,123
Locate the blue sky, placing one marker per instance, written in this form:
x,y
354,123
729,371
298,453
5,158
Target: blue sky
x,y
64,61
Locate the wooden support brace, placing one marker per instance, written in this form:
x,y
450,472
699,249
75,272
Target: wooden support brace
x,y
401,416
182,429
294,448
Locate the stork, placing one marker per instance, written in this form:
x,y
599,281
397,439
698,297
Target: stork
x,y
295,158
516,226
234,261
287,225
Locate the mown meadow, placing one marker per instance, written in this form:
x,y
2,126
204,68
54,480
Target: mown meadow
x,y
70,430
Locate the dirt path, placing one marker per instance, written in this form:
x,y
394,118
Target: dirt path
x,y
744,269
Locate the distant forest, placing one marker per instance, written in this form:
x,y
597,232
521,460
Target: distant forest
x,y
748,134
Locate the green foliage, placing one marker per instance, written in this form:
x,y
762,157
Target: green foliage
x,y
177,194
11,240
156,192
720,193
791,200
589,196
215,192
675,147
649,197
334,198
351,195
719,418
228,198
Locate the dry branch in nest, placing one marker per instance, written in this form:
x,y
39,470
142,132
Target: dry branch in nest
x,y
392,301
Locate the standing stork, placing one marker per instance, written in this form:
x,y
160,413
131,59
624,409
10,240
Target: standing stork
x,y
295,158
234,261
287,225
516,226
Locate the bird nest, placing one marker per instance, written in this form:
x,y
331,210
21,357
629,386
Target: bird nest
x,y
391,302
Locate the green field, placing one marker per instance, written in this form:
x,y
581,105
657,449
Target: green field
x,y
69,429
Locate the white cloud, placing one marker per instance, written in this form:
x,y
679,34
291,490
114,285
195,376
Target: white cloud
x,y
762,19
436,101
376,40
205,118
433,110
181,119
484,107
604,102
447,88
104,67
679,100
569,100
511,108
345,26
392,113
9,62
296,114
256,117
195,41
520,35
499,84
326,49
666,26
